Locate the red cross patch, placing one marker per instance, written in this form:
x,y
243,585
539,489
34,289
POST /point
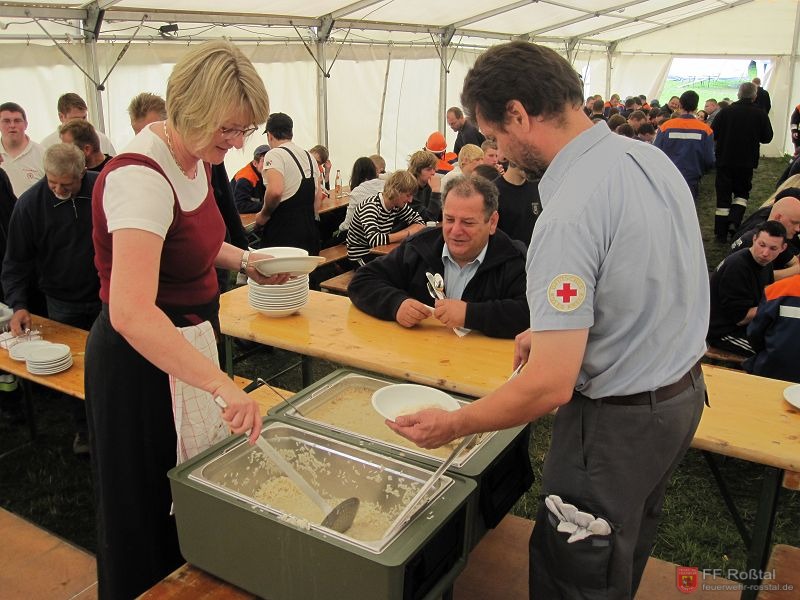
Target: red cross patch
x,y
566,292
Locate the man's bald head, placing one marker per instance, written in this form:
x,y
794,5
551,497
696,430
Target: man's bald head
x,y
786,210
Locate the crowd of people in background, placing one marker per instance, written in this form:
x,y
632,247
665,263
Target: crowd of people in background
x,y
469,213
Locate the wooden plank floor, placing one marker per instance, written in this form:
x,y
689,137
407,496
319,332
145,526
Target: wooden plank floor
x,y
35,564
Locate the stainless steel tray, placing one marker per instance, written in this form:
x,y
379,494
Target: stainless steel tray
x,y
345,405
336,469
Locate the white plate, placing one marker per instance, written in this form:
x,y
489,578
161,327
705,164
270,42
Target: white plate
x,y
277,252
50,370
278,313
792,395
46,364
49,353
407,398
20,351
294,265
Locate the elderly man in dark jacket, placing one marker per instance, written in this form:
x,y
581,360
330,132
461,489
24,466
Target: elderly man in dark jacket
x,y
739,130
483,269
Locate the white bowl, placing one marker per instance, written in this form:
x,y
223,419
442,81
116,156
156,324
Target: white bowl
x,y
278,252
279,312
393,401
792,395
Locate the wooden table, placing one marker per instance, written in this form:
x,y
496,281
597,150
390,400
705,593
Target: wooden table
x,y
332,202
747,419
330,327
70,381
384,250
248,221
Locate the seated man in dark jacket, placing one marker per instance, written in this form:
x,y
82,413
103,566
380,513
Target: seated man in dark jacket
x,y
483,269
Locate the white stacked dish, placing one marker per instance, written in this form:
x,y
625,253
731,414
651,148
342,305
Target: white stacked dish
x,y
278,300
284,259
48,359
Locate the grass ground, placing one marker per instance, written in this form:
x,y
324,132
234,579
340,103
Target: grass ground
x,y
45,483
717,89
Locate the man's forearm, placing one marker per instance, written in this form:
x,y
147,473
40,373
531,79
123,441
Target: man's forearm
x,y
271,202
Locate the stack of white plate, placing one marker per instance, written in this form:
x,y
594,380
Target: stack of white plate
x,y
48,359
279,300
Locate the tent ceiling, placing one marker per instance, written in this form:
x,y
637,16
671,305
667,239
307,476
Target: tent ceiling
x,y
600,22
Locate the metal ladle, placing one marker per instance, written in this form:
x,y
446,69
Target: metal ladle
x,y
339,518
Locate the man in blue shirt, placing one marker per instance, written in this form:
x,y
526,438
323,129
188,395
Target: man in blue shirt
x,y
688,142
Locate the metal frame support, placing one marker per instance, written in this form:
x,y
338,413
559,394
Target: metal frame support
x,y
444,38
94,98
322,94
609,53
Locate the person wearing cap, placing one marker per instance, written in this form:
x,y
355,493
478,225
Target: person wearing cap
x,y
466,130
248,183
438,145
293,197
785,210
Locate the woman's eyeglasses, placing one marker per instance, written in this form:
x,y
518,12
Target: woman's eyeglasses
x,y
230,133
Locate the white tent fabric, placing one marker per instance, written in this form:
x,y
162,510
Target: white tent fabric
x,y
384,91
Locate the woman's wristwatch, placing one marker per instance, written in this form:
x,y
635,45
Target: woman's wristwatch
x,y
243,264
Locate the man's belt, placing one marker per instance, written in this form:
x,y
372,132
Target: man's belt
x,y
661,394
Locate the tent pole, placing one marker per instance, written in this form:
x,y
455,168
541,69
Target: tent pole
x,y
442,92
94,98
792,66
322,95
609,51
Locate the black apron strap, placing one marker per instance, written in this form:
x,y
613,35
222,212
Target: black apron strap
x,y
297,162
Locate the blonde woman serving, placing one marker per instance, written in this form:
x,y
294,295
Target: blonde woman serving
x,y
158,236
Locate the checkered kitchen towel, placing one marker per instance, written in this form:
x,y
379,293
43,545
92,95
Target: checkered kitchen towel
x,y
198,420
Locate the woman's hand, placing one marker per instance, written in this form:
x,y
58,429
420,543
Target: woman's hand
x,y
242,413
256,276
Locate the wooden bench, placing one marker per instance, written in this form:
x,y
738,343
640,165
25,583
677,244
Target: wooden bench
x,y
35,564
497,569
723,358
334,253
266,396
784,562
338,284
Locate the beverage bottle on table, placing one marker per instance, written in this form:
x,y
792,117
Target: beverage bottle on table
x,y
338,184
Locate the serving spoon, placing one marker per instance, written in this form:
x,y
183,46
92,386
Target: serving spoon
x,y
339,518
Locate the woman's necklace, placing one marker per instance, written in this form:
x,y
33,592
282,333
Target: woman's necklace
x,y
172,153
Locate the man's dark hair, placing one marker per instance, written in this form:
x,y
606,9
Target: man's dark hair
x,y
654,112
689,100
486,171
280,126
629,103
69,101
772,229
612,112
597,106
363,170
13,107
541,80
723,104
456,111
646,129
474,184
625,130
637,115
83,133
643,98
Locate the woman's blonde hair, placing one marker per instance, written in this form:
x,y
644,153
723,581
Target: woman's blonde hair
x,y
400,182
793,181
468,153
214,81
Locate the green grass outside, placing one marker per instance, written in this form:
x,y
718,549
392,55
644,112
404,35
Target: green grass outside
x,y
717,89
45,483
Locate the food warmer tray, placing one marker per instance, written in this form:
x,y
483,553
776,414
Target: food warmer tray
x,y
224,529
499,463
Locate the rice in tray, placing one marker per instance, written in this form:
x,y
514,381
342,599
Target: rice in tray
x,y
351,410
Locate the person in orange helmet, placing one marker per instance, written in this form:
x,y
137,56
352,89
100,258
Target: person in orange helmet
x,y
438,145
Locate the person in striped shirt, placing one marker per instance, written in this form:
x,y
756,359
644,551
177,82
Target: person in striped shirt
x,y
375,218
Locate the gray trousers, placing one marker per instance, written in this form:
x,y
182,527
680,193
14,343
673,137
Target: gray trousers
x,y
613,462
